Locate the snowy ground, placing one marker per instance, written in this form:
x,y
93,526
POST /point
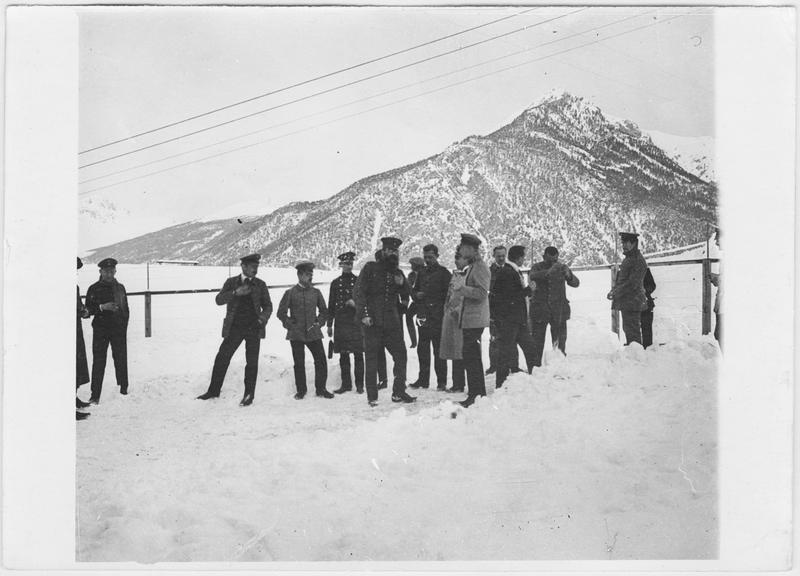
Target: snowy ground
x,y
608,453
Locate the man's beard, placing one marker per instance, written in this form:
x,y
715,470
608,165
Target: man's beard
x,y
392,261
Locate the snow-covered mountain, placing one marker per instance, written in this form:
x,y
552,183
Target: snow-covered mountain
x,y
561,173
696,154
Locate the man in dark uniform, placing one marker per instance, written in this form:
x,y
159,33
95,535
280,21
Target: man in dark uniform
x,y
499,256
343,326
107,301
628,293
379,286
430,294
511,316
82,365
248,309
649,284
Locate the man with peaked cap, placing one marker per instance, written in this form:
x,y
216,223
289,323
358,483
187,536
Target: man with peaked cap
x,y
344,327
379,286
431,292
302,311
248,307
82,365
628,294
107,301
474,315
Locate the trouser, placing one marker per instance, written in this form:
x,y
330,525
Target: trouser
x,y
344,364
632,326
101,338
459,375
718,329
231,343
431,336
558,336
382,376
320,365
511,334
647,328
473,362
494,349
376,338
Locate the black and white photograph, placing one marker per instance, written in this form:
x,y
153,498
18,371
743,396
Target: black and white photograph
x,y
420,284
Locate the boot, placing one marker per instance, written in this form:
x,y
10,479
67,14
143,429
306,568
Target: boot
x,y
81,415
207,396
342,389
382,385
247,399
469,401
324,394
404,398
80,403
418,384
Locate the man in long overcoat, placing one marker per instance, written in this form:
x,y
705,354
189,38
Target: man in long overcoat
x,y
248,309
344,327
628,295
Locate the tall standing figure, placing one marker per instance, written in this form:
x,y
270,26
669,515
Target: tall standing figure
x,y
380,285
302,312
628,294
431,293
499,257
248,309
474,315
452,339
107,301
344,327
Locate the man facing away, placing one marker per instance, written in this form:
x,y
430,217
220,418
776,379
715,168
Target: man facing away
x,y
107,301
343,326
380,285
302,312
248,307
474,315
628,295
549,303
511,316
432,284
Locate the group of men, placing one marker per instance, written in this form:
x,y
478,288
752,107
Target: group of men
x,y
364,316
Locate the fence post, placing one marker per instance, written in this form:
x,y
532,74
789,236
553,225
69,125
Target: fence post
x,y
614,313
147,315
706,296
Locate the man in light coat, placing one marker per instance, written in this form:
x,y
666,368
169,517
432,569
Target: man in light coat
x,y
628,295
474,315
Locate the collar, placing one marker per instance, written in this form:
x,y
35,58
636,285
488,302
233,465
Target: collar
x,y
514,266
242,277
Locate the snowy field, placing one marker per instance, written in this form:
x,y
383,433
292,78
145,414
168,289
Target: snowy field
x,y
609,453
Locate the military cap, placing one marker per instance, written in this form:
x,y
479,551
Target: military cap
x,y
470,240
416,261
629,236
304,265
80,264
391,242
346,258
107,263
250,259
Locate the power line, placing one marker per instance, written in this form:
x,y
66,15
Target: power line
x,y
384,93
525,63
329,90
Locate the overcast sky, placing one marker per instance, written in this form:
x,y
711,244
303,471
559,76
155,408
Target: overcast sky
x,y
141,68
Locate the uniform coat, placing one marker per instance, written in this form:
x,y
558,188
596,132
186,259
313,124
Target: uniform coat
x,y
109,328
259,296
347,335
302,311
377,294
434,282
628,290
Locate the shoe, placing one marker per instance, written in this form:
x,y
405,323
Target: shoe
x,y
491,370
342,390
247,400
80,403
207,396
469,401
454,390
81,415
94,400
360,390
124,391
404,398
373,403
417,384
441,387
382,385
324,394
299,396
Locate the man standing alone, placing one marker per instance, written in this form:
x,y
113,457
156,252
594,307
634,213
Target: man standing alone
x,y
628,293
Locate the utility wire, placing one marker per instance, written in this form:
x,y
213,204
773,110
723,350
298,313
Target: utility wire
x,y
346,104
329,90
309,81
524,63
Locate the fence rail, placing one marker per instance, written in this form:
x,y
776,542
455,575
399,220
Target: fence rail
x,y
613,268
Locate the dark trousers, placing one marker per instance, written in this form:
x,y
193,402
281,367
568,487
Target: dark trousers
x,y
459,376
382,376
376,338
118,339
494,349
344,364
473,361
431,336
718,329
511,334
647,328
558,336
230,344
320,365
632,326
